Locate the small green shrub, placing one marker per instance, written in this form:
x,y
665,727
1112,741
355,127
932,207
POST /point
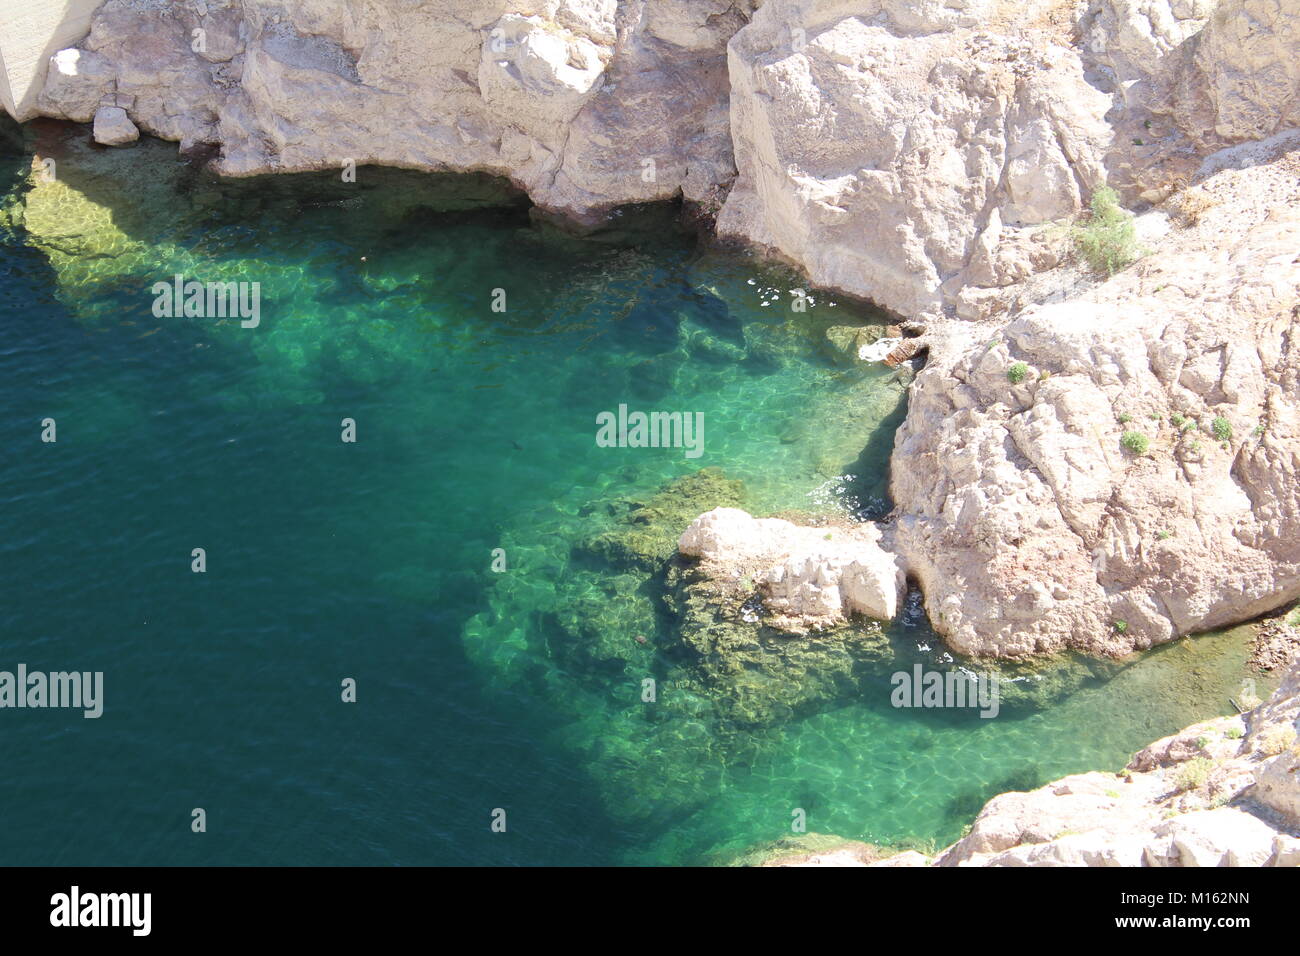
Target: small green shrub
x,y
1202,742
1135,442
1107,241
1222,429
1164,535
1125,418
1178,420
1193,774
1121,627
1234,733
1017,372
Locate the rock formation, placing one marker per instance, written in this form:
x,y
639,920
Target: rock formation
x,y
585,103
809,577
1029,523
1221,793
909,152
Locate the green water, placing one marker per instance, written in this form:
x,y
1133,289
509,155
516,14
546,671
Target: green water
x,y
477,689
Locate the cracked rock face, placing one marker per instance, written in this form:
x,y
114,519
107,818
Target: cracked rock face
x,y
892,158
925,155
1030,520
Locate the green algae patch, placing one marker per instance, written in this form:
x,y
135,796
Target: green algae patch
x,y
645,531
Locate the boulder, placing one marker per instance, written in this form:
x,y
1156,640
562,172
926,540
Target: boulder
x,y
113,127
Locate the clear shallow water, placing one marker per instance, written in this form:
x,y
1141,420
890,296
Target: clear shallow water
x,y
372,560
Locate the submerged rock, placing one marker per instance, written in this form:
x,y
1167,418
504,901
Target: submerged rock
x,y
1223,792
645,532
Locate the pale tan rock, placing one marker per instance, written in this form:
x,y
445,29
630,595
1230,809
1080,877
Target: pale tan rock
x,y
1028,524
1243,81
810,577
113,127
76,82
888,156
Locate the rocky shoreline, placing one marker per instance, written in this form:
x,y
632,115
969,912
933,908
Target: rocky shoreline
x,y
1223,792
1088,464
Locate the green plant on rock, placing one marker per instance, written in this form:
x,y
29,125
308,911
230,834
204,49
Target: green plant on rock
x,y
1193,774
1107,241
1125,418
1234,733
1017,373
1135,442
1222,429
1121,627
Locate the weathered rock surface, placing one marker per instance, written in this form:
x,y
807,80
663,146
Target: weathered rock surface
x,y
585,103
809,577
1028,522
113,127
906,153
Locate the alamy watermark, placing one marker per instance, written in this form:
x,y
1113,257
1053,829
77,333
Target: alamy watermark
x,y
36,689
193,299
945,689
651,430
76,908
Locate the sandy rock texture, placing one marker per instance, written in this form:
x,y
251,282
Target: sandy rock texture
x,y
584,103
1029,521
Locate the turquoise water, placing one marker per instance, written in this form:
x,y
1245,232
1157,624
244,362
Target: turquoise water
x,y
476,689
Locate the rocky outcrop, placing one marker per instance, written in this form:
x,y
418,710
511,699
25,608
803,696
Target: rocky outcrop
x,y
584,103
1030,519
806,577
909,153
1221,793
